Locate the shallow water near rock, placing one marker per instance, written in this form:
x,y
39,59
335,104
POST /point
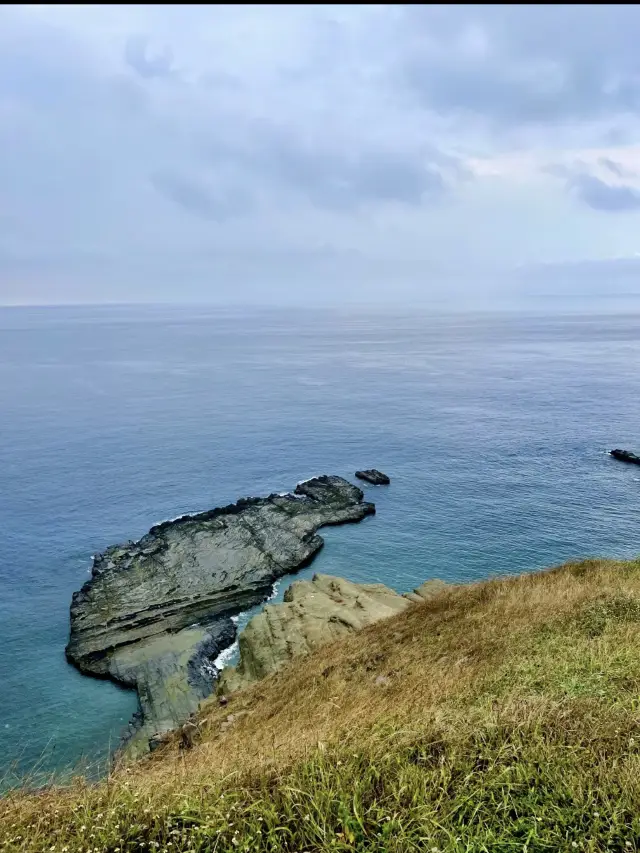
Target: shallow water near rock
x,y
494,430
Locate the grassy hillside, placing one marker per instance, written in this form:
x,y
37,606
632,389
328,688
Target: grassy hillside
x,y
501,716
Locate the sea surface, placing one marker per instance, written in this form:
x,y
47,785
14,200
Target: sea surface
x,y
493,428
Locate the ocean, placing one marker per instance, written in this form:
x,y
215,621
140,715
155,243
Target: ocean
x,y
493,428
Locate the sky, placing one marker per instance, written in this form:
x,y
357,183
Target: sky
x,y
263,154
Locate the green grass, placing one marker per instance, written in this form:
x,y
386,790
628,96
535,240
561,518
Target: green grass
x,y
510,722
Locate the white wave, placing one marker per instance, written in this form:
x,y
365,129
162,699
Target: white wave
x,y
308,480
224,657
274,592
229,653
175,518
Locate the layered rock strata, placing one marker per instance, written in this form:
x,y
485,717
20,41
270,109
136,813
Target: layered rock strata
x,y
156,613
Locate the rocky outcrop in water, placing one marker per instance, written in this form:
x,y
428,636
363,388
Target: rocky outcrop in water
x,y
157,612
373,476
313,614
625,456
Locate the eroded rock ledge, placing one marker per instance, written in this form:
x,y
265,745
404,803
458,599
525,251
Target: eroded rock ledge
x,y
157,612
313,614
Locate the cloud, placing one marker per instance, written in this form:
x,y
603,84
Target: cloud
x,y
330,176
598,185
337,181
136,53
616,168
599,195
522,65
197,198
151,141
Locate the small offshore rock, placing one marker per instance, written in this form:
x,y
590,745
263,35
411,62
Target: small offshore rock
x,y
625,456
373,476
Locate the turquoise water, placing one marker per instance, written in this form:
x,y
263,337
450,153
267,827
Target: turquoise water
x,y
493,428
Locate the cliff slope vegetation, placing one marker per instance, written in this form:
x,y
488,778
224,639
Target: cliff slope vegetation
x,y
498,716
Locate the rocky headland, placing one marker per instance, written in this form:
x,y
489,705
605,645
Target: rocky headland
x,y
156,613
313,614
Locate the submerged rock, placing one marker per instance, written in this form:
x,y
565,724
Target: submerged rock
x,y
313,614
373,476
625,456
156,613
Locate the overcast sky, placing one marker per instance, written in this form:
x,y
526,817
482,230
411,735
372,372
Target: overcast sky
x,y
276,153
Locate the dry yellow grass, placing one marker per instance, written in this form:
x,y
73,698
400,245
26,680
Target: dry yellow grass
x,y
503,715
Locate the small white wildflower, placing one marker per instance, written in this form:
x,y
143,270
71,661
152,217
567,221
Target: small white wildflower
x,y
574,844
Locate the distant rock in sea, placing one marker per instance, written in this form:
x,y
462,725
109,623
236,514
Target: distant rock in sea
x,y
313,614
373,476
625,456
156,613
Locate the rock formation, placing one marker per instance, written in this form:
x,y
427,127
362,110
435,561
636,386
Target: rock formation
x,y
373,476
312,614
625,456
156,613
